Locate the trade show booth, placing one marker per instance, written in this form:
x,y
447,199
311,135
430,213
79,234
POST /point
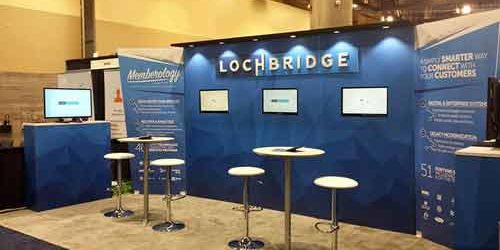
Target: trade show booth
x,y
389,104
374,149
367,125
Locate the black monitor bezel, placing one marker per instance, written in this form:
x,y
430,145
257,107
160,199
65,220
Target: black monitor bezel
x,y
361,114
279,113
214,112
63,117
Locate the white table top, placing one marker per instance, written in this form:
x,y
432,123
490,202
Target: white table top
x,y
281,152
479,152
167,162
336,182
246,171
152,140
118,156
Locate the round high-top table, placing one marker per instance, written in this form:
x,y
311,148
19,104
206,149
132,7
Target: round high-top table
x,y
145,145
280,152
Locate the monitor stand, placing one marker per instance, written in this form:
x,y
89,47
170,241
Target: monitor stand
x,y
74,120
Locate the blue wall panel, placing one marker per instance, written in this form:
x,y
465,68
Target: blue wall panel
x,y
479,212
65,164
376,151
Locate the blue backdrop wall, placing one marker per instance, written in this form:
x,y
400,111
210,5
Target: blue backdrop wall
x,y
376,151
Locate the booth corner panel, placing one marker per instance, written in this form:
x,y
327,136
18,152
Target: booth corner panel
x,y
65,163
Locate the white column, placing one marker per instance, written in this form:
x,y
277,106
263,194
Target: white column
x,y
331,13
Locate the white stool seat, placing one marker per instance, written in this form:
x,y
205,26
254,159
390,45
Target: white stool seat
x,y
167,162
119,156
246,171
335,182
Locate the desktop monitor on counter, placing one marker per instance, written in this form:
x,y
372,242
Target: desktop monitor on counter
x,y
67,103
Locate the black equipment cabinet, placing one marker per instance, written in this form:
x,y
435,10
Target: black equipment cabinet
x,y
12,179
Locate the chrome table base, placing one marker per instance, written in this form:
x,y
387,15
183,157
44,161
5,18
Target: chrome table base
x,y
246,244
170,226
119,213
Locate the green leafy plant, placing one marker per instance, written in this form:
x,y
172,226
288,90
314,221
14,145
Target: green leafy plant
x,y
126,188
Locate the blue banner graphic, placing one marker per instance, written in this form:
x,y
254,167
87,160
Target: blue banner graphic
x,y
153,92
451,114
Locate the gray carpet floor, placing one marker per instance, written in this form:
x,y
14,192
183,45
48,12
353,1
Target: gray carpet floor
x,y
210,225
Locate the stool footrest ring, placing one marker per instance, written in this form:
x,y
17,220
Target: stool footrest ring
x,y
173,197
330,227
250,209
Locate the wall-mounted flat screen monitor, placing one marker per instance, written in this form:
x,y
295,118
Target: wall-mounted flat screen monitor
x,y
214,101
365,101
280,101
67,103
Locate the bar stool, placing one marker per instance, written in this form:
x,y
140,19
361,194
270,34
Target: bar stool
x,y
333,183
119,211
246,242
169,225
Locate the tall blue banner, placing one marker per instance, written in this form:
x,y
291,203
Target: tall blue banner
x,y
453,70
153,92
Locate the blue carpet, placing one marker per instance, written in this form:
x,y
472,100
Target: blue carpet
x,y
13,240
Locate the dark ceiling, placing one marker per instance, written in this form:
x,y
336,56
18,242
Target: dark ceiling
x,y
415,11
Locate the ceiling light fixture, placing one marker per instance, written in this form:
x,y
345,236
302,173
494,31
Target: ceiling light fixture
x,y
255,39
293,36
191,46
336,32
221,43
466,9
386,27
388,18
355,6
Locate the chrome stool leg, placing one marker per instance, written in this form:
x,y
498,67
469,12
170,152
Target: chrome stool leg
x,y
333,226
246,242
333,183
335,223
168,225
119,211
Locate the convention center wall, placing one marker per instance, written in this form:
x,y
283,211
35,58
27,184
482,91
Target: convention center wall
x,y
378,151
